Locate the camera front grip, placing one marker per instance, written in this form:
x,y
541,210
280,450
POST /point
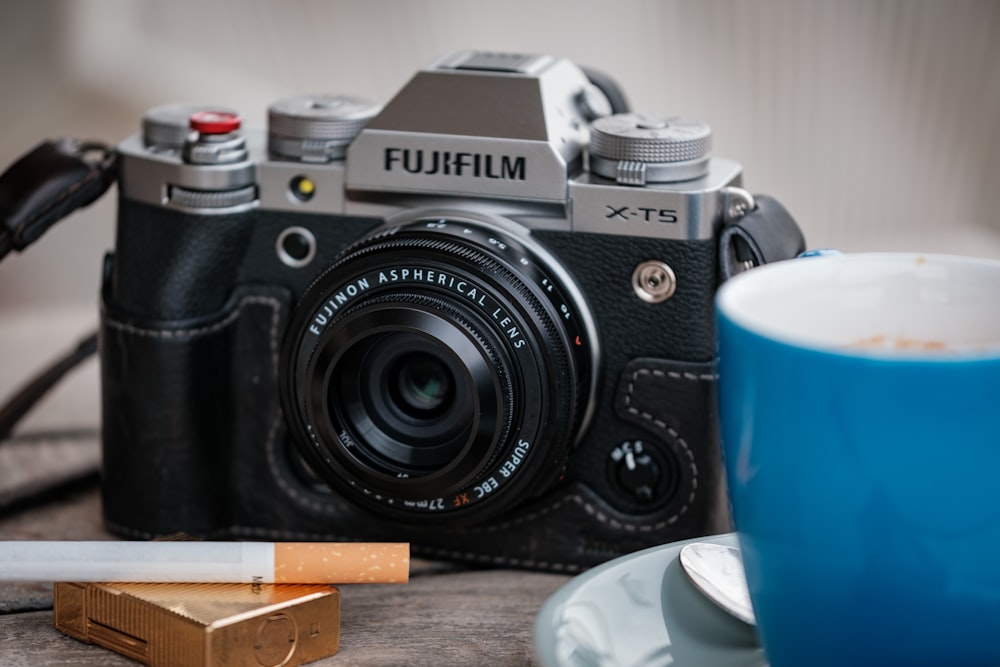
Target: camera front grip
x,y
676,401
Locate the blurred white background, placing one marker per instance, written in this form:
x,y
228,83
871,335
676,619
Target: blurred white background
x,y
877,122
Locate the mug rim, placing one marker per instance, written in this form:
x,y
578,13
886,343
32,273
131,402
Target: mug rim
x,y
729,296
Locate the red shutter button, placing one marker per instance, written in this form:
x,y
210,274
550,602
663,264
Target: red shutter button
x,y
215,122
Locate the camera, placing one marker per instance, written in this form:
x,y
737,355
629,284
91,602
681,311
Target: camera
x,y
479,319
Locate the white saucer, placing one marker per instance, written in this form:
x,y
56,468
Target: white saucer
x,y
642,610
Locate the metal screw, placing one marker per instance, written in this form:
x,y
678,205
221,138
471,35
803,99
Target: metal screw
x,y
653,281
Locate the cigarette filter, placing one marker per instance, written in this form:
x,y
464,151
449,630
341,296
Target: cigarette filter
x,y
202,625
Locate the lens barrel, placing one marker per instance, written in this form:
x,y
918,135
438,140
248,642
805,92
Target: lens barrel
x,y
440,367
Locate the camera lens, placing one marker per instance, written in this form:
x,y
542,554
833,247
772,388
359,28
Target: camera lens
x,y
396,387
421,385
442,367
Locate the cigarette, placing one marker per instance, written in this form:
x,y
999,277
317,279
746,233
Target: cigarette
x,y
206,562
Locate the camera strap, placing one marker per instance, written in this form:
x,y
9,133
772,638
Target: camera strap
x,y
41,188
766,233
48,183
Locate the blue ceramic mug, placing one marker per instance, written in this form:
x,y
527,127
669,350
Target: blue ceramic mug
x,y
860,406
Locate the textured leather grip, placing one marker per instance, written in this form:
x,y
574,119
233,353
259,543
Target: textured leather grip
x,y
180,399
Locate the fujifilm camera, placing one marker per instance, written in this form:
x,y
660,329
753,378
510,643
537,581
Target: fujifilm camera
x,y
478,319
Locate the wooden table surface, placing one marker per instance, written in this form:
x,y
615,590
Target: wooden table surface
x,y
444,616
439,618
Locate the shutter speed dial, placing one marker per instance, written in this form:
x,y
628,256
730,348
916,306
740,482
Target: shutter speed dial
x,y
636,149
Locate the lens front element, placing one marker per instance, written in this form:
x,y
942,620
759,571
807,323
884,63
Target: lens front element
x,y
421,385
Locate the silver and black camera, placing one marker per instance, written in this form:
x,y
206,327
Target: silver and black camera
x,y
478,319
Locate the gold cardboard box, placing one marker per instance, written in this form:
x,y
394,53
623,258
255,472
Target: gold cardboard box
x,y
192,625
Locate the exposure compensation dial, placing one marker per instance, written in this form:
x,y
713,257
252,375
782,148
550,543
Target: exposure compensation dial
x,y
636,149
